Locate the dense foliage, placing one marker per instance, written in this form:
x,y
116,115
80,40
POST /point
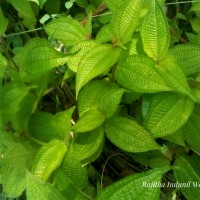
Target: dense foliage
x,y
99,99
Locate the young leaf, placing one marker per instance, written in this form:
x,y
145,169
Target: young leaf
x,y
39,2
39,56
128,135
188,172
173,75
67,30
167,113
45,126
37,189
3,23
25,11
89,121
97,61
72,168
135,186
78,51
155,33
191,130
189,57
48,158
106,34
13,181
139,73
88,146
126,20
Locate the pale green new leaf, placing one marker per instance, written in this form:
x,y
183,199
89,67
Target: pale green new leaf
x,y
48,158
37,189
88,146
3,23
3,63
72,169
39,56
25,11
39,2
191,130
133,187
96,62
13,181
188,171
189,57
139,74
89,121
114,5
67,30
173,75
167,113
126,20
45,126
155,33
78,51
128,135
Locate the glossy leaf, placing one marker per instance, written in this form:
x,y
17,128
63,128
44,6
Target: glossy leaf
x,y
45,126
189,57
155,33
96,62
3,23
88,146
78,51
188,172
39,56
89,121
128,135
139,73
167,113
123,189
126,20
67,30
25,11
10,176
48,158
173,75
37,189
191,130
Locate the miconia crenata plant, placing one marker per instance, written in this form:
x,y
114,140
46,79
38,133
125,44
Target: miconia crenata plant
x,y
99,99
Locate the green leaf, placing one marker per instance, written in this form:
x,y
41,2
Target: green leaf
x,y
25,11
72,168
173,75
106,34
155,33
114,5
39,56
139,73
189,57
166,114
128,135
45,126
188,172
3,23
88,146
3,62
195,24
48,158
97,61
78,51
135,187
37,189
39,2
52,6
67,30
13,181
89,121
191,130
126,20
102,95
